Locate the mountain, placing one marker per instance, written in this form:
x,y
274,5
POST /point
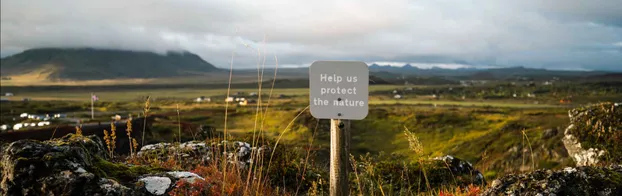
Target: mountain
x,y
94,64
505,73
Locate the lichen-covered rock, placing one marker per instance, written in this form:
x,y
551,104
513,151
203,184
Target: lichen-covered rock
x,y
586,180
162,183
55,167
195,152
594,134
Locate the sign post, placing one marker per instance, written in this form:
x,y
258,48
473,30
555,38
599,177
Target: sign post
x,y
339,91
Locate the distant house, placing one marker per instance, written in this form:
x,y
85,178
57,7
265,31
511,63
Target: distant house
x,y
240,99
531,95
116,117
394,91
253,94
43,123
229,99
397,96
60,115
246,102
8,94
17,126
4,127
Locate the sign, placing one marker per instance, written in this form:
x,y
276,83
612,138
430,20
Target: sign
x,y
339,90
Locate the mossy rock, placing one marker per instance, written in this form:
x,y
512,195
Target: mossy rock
x,y
597,126
72,165
587,180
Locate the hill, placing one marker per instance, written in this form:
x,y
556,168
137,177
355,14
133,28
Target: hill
x,y
56,64
505,73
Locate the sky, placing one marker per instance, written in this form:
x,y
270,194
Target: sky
x,y
552,34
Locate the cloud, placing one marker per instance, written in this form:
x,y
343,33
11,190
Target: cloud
x,y
574,34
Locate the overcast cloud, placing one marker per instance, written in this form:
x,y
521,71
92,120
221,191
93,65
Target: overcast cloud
x,y
553,34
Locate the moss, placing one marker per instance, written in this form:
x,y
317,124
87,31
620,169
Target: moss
x,y
599,126
120,172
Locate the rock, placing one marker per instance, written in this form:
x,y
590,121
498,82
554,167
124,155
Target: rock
x,y
156,185
461,167
163,183
594,134
195,152
549,133
586,180
113,188
581,156
57,167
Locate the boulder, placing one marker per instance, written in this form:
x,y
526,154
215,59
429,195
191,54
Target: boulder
x,y
594,134
587,180
55,167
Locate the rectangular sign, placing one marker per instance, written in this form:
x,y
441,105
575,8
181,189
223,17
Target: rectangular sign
x,y
339,89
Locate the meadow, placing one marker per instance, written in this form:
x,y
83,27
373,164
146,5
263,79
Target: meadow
x,y
498,135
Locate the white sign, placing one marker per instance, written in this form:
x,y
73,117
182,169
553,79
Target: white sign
x,y
339,90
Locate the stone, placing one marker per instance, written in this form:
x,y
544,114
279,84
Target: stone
x,y
56,167
594,134
587,180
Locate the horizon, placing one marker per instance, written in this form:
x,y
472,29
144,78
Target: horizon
x,y
424,66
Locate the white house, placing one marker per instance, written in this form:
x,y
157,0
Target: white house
x,y
397,96
229,99
23,115
17,126
203,99
8,94
253,94
4,127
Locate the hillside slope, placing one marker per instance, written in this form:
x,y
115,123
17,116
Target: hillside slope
x,y
96,64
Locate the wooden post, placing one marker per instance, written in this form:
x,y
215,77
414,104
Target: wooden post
x,y
339,151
